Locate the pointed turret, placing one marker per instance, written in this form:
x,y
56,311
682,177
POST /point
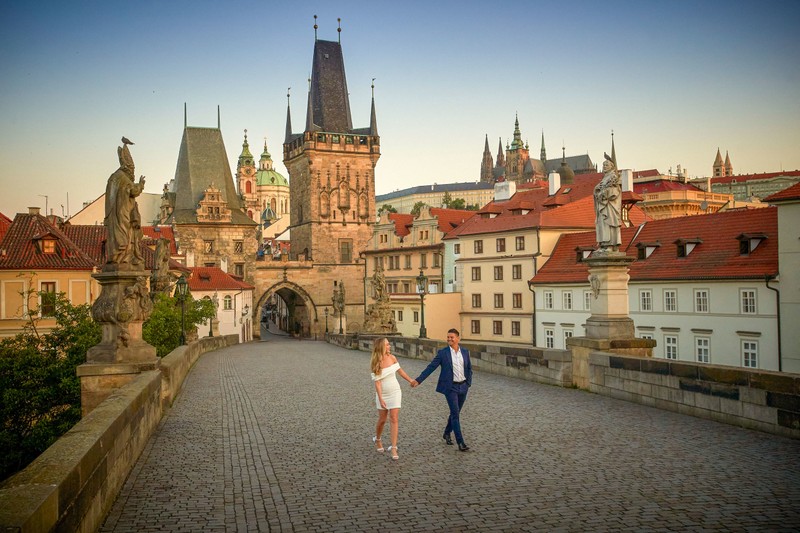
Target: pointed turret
x,y
542,151
373,120
265,163
245,158
288,120
328,98
728,166
486,163
718,170
501,158
517,142
310,126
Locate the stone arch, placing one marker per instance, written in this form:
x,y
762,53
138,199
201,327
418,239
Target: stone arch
x,y
307,315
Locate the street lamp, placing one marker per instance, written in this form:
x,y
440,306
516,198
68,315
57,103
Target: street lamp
x,y
326,320
422,285
182,288
341,331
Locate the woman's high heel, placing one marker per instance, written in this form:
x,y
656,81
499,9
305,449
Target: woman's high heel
x,y
393,449
378,444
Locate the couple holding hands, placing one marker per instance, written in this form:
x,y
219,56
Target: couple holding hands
x,y
455,379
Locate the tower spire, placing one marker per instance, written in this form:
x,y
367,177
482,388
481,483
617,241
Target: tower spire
x,y
218,119
315,27
310,110
288,117
486,162
542,151
517,142
373,120
613,151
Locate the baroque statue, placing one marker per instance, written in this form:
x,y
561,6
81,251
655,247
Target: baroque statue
x,y
608,207
122,220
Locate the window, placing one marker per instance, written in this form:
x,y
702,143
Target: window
x,y
516,271
516,300
423,260
400,315
498,301
646,336
587,300
406,287
48,246
408,261
238,247
566,300
476,300
750,354
383,238
478,246
670,346
567,335
548,299
748,301
435,260
475,326
345,251
701,301
498,273
238,270
670,300
549,338
208,247
497,327
520,243
476,273
48,297
457,249
702,349
501,245
227,303
515,328
645,300
416,317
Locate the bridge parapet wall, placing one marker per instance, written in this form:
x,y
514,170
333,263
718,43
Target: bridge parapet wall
x,y
755,399
72,485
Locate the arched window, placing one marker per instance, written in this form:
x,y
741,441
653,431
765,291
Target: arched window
x,y
227,303
250,214
274,205
248,186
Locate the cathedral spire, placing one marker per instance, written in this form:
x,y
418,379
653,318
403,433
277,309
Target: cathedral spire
x,y
542,151
517,142
501,158
288,117
373,120
613,151
310,110
486,163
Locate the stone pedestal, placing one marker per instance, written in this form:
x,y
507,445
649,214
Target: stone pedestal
x,y
608,277
121,309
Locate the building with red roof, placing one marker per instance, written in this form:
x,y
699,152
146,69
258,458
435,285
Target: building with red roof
x,y
233,298
698,287
5,222
748,186
788,205
402,246
499,249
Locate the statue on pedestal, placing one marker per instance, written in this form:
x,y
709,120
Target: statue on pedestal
x,y
122,220
379,315
608,207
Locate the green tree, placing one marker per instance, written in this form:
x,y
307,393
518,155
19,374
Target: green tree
x,y
458,203
40,392
388,208
417,206
447,199
163,328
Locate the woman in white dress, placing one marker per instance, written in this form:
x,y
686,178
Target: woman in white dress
x,y
387,392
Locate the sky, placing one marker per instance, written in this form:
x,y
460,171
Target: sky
x,y
674,81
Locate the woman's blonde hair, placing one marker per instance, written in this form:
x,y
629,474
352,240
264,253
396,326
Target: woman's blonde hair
x,y
378,348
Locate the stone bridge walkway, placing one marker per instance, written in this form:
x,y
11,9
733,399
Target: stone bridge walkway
x,y
276,436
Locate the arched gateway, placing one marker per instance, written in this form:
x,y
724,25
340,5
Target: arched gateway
x,y
287,306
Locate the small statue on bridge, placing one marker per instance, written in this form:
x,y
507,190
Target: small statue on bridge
x,y
608,207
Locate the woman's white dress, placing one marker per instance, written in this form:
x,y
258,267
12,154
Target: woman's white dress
x,y
390,387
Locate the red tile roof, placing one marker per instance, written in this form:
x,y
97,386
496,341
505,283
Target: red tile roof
x,y
663,185
791,193
5,223
716,257
21,247
152,233
646,173
214,279
90,239
571,207
446,218
748,177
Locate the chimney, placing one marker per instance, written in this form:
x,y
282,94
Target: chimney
x,y
33,210
554,183
626,176
504,190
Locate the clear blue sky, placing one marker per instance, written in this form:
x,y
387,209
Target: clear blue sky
x,y
674,80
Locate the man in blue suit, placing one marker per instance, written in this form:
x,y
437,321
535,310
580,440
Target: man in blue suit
x,y
455,378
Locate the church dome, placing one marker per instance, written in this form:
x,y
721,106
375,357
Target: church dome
x,y
271,177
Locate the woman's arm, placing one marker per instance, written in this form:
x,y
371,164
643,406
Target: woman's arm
x,y
404,375
379,390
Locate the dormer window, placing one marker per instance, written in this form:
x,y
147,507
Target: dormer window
x,y
567,190
48,246
645,249
748,242
685,246
582,253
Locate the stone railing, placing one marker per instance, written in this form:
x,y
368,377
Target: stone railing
x,y
72,485
755,399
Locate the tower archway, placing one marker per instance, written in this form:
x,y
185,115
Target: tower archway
x,y
288,308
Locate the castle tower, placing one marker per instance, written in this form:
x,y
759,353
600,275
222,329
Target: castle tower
x,y
728,166
331,168
718,170
519,165
486,163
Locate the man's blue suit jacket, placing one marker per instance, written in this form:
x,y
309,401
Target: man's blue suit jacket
x,y
444,360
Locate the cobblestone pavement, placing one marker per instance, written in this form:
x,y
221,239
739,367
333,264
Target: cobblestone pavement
x,y
276,436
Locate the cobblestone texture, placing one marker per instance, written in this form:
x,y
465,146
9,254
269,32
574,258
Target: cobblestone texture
x,y
276,436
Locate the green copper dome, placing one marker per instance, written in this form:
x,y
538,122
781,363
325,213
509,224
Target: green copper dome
x,y
267,175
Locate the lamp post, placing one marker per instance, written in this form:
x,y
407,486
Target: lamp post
x,y
182,288
326,320
214,302
341,331
422,284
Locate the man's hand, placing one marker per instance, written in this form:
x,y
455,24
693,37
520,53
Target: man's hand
x,y
414,383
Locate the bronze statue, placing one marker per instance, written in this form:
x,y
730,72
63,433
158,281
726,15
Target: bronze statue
x,y
122,220
608,207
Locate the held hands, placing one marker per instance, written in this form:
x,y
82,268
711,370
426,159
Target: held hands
x,y
413,383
